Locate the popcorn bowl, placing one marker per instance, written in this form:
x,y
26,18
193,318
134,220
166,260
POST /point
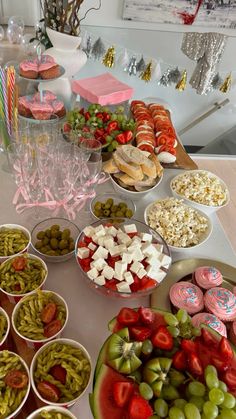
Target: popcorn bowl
x,y
15,297
26,233
3,338
110,289
207,209
53,297
51,409
49,359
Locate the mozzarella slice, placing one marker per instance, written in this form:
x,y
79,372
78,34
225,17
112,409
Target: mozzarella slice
x,y
93,273
135,267
128,277
100,280
83,252
101,252
123,287
108,272
99,264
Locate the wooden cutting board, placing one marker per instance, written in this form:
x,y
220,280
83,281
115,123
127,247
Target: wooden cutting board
x,y
18,345
183,160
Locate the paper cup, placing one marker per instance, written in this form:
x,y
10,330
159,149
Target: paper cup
x,y
62,341
19,227
3,341
36,344
14,298
58,409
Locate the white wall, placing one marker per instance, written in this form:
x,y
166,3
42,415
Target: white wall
x,y
28,9
164,41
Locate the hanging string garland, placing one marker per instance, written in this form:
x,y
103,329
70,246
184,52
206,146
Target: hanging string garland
x,y
216,82
146,75
181,85
109,57
141,65
174,75
131,68
98,49
123,59
225,87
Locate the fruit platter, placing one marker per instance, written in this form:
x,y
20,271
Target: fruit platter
x,y
158,365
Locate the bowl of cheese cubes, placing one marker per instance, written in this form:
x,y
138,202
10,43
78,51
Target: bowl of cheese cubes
x,y
127,259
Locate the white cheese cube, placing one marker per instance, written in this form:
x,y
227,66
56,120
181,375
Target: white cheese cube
x,y
141,273
88,231
99,264
137,255
114,251
101,241
164,259
148,249
123,238
120,268
108,272
154,261
128,277
100,280
127,257
83,252
146,237
100,231
112,231
101,252
156,274
137,240
93,273
108,242
122,248
130,228
123,287
135,267
159,247
92,246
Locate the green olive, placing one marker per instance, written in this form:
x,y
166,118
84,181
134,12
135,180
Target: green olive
x,y
45,240
54,234
38,245
55,227
51,253
106,213
54,243
119,214
114,208
40,235
98,213
65,234
122,205
103,206
107,206
63,244
110,201
98,205
71,246
65,251
48,233
129,213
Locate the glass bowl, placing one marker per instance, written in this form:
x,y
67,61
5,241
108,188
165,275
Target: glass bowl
x,y
46,224
141,228
116,199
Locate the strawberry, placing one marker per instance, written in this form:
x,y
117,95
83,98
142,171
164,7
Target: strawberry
x,y
135,286
225,349
120,138
208,338
162,339
195,364
127,316
179,360
139,408
220,364
87,115
128,135
67,127
146,315
122,392
229,378
140,333
146,283
112,126
188,345
111,284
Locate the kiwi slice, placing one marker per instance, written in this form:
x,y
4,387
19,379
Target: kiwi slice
x,y
155,373
123,354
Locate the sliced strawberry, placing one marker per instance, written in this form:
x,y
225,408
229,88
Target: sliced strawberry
x,y
111,260
127,316
128,135
194,363
122,392
139,408
179,360
147,283
140,333
188,345
208,338
163,339
146,315
111,284
229,378
87,239
225,349
220,363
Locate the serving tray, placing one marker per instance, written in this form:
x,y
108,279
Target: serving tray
x,y
183,269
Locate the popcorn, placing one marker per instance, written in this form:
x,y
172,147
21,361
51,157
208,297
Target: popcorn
x,y
201,187
178,224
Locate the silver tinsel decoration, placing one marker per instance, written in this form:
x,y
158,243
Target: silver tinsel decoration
x,y
174,75
165,78
88,46
216,82
141,65
123,59
98,49
207,50
131,68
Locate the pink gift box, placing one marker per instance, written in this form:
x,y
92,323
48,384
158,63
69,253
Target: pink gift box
x,y
104,89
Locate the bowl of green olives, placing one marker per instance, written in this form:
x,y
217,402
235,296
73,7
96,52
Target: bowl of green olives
x,y
112,206
54,239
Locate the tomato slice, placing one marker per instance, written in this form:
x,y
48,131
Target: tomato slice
x,y
52,328
59,373
16,379
19,263
48,313
146,147
48,391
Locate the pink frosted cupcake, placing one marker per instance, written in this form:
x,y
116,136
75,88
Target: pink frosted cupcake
x,y
207,277
232,333
221,302
211,320
188,296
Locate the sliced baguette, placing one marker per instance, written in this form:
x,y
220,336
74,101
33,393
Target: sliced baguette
x,y
131,169
159,168
128,181
110,166
133,155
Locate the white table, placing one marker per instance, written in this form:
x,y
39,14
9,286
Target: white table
x,y
89,312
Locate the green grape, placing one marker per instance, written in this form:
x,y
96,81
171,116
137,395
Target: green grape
x,y
216,396
191,411
169,393
161,408
174,331
210,369
145,391
182,315
171,320
180,403
176,413
196,331
196,389
155,417
223,386
229,401
176,378
212,380
210,409
227,414
198,401
147,347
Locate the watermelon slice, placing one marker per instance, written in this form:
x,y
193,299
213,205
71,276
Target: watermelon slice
x,y
104,406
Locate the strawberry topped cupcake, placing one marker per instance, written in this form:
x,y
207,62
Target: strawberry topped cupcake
x,y
211,320
221,302
29,69
48,68
207,277
188,296
42,111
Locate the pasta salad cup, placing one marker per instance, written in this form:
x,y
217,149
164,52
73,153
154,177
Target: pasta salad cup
x,y
40,317
22,275
4,327
60,372
14,240
51,412
14,384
